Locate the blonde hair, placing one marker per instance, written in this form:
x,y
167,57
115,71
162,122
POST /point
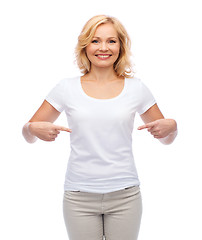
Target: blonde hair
x,y
122,66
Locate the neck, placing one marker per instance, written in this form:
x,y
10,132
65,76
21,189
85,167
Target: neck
x,y
102,75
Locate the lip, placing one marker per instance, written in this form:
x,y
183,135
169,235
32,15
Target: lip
x,y
103,56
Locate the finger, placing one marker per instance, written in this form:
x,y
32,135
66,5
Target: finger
x,y
148,125
50,139
54,135
149,130
142,127
54,131
57,132
61,128
154,132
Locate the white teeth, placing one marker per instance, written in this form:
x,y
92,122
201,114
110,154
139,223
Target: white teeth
x,y
103,56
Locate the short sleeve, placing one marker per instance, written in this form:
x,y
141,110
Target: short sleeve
x,y
147,99
56,96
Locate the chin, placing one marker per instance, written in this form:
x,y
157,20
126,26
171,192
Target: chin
x,y
104,64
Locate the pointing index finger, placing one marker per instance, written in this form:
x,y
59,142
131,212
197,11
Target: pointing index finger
x,y
148,125
142,127
61,128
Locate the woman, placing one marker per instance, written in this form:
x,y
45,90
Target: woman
x,y
102,194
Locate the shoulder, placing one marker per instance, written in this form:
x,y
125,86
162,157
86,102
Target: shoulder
x,y
64,82
68,80
63,85
139,89
135,82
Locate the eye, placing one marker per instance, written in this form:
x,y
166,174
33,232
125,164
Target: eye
x,y
112,41
95,41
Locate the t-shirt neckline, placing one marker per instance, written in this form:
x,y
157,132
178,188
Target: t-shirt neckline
x,y
102,99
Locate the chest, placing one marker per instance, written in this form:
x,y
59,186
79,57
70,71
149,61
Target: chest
x,y
103,91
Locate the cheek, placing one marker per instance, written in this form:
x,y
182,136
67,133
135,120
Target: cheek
x,y
116,52
90,49
88,52
116,49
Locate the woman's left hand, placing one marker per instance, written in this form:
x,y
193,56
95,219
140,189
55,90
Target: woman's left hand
x,y
160,128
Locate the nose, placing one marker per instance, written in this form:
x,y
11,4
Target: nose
x,y
103,47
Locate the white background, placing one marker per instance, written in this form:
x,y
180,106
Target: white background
x,y
37,50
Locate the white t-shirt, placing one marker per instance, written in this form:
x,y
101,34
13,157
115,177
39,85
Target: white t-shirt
x,y
101,158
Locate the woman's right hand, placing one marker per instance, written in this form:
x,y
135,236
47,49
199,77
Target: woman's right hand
x,y
46,131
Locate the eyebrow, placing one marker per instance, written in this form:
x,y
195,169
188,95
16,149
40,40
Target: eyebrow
x,y
107,38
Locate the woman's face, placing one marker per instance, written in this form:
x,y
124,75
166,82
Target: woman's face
x,y
104,48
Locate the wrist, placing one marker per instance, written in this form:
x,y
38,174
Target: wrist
x,y
29,137
172,135
173,126
29,129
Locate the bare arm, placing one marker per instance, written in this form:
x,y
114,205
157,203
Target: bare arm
x,y
45,113
41,124
163,129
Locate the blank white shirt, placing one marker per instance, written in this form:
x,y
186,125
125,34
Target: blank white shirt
x,y
101,158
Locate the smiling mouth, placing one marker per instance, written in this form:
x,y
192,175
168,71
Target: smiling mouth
x,y
103,56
